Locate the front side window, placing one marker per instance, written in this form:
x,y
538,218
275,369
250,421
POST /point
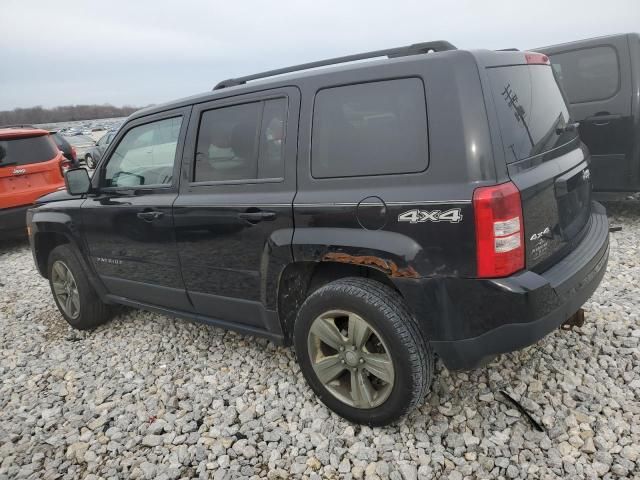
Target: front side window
x,y
376,128
145,155
589,74
241,142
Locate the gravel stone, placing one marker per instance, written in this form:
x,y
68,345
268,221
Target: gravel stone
x,y
147,396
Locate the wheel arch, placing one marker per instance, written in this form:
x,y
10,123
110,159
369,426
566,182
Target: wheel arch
x,y
299,279
51,229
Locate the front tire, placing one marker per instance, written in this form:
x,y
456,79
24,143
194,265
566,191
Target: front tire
x,y
75,297
91,163
362,352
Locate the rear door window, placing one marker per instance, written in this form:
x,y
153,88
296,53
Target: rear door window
x,y
242,142
376,128
23,151
530,108
589,74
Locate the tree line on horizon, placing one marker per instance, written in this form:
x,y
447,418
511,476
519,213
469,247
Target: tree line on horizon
x,y
64,113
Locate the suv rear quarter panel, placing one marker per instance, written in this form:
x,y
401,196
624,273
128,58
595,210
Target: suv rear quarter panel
x,y
330,212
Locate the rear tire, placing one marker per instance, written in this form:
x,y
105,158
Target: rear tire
x,y
362,352
76,299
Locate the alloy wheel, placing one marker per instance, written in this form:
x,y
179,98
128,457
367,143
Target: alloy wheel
x,y
65,289
350,359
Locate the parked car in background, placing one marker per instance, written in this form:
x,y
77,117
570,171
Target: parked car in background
x,y
31,165
66,148
601,77
372,214
94,154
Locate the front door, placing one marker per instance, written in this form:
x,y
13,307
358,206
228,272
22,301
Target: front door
x,y
128,224
597,79
233,217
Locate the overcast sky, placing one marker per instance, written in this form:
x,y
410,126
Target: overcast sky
x,y
139,52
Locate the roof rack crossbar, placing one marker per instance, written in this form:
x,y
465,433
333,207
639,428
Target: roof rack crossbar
x,y
415,49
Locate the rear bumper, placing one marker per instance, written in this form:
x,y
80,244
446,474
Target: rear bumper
x,y
483,318
13,220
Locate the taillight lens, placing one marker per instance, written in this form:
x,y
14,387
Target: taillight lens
x,y
74,154
499,230
64,165
534,58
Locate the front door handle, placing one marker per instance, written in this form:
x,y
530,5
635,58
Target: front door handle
x,y
255,217
150,216
602,119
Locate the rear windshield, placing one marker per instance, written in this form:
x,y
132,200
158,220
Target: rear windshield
x,y
530,108
22,151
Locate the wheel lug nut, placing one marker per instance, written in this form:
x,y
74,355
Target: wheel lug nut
x,y
362,360
342,349
341,361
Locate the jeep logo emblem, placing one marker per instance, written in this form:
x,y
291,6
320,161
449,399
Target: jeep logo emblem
x,y
19,171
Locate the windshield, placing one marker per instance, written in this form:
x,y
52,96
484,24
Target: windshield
x,y
22,151
531,107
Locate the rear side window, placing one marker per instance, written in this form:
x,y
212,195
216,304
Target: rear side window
x,y
530,107
242,142
23,151
377,128
589,74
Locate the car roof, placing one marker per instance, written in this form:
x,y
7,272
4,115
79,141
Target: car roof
x,y
482,57
20,132
576,43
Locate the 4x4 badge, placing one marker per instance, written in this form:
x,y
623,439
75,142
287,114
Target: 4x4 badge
x,y
452,215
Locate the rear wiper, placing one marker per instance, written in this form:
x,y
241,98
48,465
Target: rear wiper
x,y
569,127
7,164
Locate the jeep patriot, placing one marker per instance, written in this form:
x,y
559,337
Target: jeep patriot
x,y
375,215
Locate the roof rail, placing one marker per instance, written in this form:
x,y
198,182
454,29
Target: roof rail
x,y
20,125
415,49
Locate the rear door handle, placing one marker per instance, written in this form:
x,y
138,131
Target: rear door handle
x,y
255,217
150,216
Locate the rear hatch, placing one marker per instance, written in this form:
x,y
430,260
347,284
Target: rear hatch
x,y
30,166
545,158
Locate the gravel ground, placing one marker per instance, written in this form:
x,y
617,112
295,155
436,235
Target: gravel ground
x,y
150,397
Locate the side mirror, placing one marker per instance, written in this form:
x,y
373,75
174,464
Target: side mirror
x,y
77,181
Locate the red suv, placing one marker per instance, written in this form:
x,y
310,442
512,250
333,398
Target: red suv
x,y
30,166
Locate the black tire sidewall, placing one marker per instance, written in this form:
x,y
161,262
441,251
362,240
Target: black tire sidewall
x,y
397,403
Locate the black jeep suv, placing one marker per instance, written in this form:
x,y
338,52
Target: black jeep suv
x,y
374,214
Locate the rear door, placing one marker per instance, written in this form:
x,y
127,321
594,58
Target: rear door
x,y
233,217
596,76
128,224
544,158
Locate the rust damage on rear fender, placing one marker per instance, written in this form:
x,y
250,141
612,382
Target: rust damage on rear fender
x,y
388,266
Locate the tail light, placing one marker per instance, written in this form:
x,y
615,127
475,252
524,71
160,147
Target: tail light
x,y
534,58
65,165
499,230
74,154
